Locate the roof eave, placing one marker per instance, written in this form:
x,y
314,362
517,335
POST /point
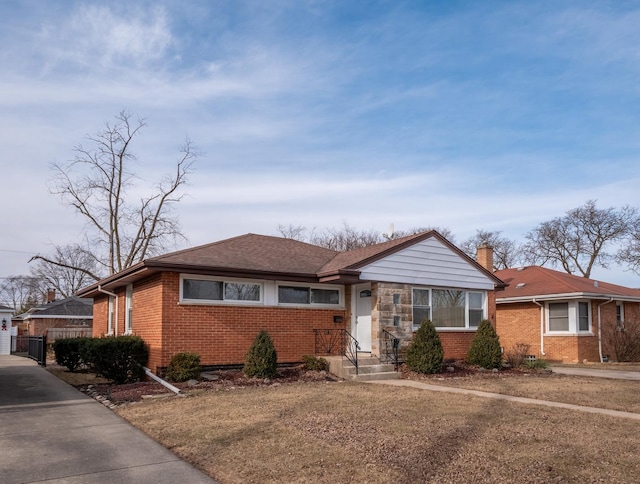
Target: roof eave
x,y
568,295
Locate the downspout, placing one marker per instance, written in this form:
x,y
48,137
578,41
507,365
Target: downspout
x,y
541,326
600,327
115,296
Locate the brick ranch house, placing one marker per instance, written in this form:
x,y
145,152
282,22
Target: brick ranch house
x,y
214,299
562,317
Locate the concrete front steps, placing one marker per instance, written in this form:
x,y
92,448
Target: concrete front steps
x,y
369,368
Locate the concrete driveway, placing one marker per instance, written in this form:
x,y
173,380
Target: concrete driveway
x,y
51,432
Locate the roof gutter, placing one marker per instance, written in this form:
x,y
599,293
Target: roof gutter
x,y
542,353
600,327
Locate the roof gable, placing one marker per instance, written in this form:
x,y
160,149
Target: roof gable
x,y
531,282
429,262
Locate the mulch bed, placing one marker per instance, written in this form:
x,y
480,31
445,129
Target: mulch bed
x,y
462,370
226,380
112,394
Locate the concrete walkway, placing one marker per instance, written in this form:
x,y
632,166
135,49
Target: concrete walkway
x,y
51,432
597,373
510,398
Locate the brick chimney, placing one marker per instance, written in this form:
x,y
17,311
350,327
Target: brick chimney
x,y
484,256
51,295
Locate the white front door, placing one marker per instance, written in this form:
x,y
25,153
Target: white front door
x,y
363,316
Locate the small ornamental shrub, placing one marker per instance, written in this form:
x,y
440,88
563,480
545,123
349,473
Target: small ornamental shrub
x,y
313,363
184,366
516,355
120,358
262,360
535,364
485,348
70,353
425,353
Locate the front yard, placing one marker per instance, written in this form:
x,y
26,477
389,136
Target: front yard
x,y
346,432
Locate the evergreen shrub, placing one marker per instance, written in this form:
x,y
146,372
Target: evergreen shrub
x,y
71,353
261,360
120,358
485,348
425,353
184,366
313,363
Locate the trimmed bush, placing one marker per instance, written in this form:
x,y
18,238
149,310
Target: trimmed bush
x,y
262,360
313,363
485,348
425,353
119,358
184,366
71,353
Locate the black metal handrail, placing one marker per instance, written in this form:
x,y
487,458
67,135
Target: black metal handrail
x,y
390,349
337,342
38,349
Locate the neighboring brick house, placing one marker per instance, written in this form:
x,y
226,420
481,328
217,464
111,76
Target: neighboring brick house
x,y
560,316
73,316
214,299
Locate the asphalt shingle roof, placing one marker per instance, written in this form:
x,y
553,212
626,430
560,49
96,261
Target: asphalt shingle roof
x,y
533,281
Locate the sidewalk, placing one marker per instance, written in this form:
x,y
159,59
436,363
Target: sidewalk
x,y
509,398
597,373
51,432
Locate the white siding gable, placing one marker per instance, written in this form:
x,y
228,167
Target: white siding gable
x,y
428,263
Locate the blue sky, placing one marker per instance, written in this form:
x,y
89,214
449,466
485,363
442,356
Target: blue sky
x,y
495,115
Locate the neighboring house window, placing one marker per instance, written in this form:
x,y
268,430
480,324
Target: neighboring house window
x,y
619,316
558,316
583,316
128,307
218,290
308,295
110,316
448,308
569,317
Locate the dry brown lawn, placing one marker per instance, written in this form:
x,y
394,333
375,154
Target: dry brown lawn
x,y
349,432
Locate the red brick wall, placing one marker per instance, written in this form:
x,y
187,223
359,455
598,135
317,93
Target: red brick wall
x,y
520,323
222,334
456,344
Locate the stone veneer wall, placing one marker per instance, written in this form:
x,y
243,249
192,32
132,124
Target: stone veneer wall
x,y
396,316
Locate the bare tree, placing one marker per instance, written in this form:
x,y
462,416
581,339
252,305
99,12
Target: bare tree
x,y
345,238
444,231
579,241
295,232
97,182
506,253
21,292
629,254
74,268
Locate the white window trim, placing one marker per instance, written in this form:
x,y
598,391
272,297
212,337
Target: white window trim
x,y
128,310
620,322
340,290
466,327
110,316
223,280
573,313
